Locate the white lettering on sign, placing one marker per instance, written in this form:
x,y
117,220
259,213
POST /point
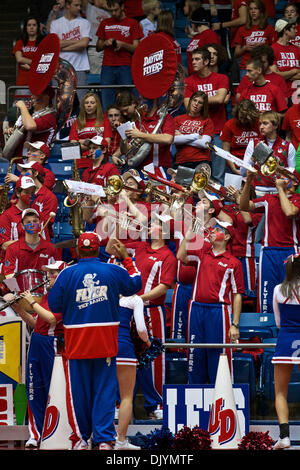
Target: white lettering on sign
x,y
153,63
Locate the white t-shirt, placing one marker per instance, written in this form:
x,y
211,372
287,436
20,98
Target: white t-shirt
x,y
95,15
77,28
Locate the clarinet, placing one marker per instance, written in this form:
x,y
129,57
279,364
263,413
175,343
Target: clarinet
x,y
19,297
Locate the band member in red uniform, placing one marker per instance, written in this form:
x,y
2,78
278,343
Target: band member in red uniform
x,y
280,237
36,152
101,168
11,219
45,201
284,151
31,250
41,125
218,289
47,328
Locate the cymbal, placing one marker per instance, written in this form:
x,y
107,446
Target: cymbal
x,y
71,243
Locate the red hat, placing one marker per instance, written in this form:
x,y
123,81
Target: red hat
x,y
89,241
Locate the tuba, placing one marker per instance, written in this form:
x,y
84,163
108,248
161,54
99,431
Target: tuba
x,y
46,66
157,76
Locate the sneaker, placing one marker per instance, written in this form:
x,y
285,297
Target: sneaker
x,y
284,443
125,445
31,444
105,446
156,414
80,445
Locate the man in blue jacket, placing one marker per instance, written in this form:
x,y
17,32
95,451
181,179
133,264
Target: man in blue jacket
x,y
87,294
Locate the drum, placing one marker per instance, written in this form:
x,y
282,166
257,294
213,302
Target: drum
x,y
8,312
27,279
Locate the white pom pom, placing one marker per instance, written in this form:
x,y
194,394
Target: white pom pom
x,y
86,242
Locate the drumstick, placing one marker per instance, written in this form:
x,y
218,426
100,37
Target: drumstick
x,y
51,216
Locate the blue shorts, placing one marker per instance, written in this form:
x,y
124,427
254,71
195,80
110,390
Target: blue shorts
x,y
126,354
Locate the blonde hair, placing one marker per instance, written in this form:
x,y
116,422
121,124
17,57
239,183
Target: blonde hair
x,y
270,116
149,5
81,120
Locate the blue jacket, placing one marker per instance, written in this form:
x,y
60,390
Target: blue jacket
x,y
87,294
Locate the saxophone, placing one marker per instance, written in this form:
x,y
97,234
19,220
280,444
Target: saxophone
x,y
4,188
74,203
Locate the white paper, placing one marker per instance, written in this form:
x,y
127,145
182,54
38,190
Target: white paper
x,y
124,127
85,188
233,180
71,152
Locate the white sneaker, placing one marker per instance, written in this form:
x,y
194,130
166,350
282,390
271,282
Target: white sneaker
x,y
125,445
105,446
158,413
284,443
31,444
80,445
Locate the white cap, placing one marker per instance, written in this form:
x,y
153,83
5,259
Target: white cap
x,y
283,23
97,140
132,173
27,164
25,182
29,210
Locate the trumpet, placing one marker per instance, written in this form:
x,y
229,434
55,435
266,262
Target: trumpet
x,y
115,184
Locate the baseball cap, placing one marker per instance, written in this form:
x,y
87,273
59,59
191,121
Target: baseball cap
x,y
135,175
38,145
225,225
57,265
283,23
201,16
171,171
216,202
97,140
89,241
25,182
28,211
33,165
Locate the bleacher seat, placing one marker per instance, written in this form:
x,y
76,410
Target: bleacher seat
x,y
244,371
176,368
257,324
184,42
65,231
62,170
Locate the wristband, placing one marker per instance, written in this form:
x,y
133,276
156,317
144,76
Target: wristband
x,y
235,324
32,303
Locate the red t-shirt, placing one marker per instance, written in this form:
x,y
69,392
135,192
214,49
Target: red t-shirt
x,y
238,136
89,130
272,77
253,36
187,124
199,40
237,4
160,154
210,85
267,97
296,41
291,123
286,58
126,30
28,51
